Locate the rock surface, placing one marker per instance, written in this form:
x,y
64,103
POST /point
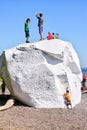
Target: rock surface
x,y
38,73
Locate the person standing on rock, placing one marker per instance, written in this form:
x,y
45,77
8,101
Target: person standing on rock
x,y
40,24
26,29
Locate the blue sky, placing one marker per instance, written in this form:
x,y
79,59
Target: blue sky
x,y
66,17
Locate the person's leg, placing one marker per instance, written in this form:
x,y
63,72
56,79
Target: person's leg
x,y
69,105
3,87
27,40
40,32
27,36
41,36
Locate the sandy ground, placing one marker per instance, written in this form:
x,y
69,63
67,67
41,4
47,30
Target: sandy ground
x,y
22,117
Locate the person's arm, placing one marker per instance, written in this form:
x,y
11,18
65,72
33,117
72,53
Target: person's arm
x,y
38,15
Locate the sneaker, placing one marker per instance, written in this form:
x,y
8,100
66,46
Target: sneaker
x,y
41,39
27,41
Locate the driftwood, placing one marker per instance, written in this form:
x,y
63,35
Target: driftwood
x,y
9,104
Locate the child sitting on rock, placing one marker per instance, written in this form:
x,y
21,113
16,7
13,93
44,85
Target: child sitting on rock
x,y
49,37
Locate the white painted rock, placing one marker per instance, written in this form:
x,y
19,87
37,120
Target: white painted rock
x,y
38,73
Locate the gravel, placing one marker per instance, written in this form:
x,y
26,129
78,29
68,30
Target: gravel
x,y
22,117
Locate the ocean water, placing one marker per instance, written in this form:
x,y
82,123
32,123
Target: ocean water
x,y
84,70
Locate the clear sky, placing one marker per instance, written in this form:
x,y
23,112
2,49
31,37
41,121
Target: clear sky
x,y
66,17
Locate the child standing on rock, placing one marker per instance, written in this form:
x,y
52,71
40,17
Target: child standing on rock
x,y
26,29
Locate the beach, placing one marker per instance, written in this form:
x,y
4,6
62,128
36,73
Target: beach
x,y
22,117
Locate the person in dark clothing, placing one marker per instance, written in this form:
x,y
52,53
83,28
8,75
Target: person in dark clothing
x,y
84,82
40,24
26,29
3,87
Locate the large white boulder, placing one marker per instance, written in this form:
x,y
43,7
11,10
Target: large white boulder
x,y
38,73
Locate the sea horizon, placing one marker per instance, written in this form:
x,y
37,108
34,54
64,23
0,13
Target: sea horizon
x,y
84,70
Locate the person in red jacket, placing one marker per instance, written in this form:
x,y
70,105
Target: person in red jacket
x,y
49,37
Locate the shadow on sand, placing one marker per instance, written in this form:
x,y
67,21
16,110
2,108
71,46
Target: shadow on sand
x,y
5,97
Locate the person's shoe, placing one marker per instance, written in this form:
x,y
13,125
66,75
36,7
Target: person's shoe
x,y
27,41
41,39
